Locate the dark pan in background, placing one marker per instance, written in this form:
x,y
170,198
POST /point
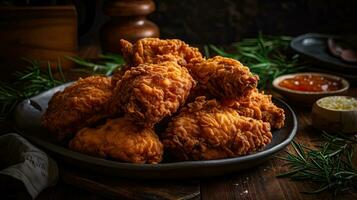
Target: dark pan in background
x,y
315,47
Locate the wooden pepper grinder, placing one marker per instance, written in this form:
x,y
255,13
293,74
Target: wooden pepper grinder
x,y
128,21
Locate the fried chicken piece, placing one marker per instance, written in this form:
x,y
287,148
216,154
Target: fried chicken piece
x,y
119,139
206,130
155,50
223,77
149,92
80,104
198,91
118,74
258,106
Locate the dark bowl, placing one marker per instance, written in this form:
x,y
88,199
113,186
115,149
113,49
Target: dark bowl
x,y
308,98
27,122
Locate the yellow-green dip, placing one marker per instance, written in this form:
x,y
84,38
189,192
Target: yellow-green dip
x,y
343,103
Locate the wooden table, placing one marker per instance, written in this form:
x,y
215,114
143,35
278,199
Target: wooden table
x,y
256,183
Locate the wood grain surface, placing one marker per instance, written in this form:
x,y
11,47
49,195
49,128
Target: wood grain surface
x,y
115,187
46,33
256,183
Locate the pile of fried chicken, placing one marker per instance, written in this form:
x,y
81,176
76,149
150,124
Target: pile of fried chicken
x,y
205,108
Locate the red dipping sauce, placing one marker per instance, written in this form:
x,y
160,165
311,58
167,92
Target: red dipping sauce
x,y
311,83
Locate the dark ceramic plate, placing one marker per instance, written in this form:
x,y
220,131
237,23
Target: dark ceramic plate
x,y
27,118
315,46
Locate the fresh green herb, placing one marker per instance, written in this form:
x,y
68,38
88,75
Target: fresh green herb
x,y
266,56
29,82
330,165
106,64
33,80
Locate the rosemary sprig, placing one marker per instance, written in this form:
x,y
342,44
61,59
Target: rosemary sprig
x,y
330,165
266,56
106,64
33,80
28,82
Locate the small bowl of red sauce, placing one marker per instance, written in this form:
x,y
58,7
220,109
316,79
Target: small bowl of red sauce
x,y
309,86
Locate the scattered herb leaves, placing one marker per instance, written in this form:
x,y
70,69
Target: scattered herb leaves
x,y
106,64
34,80
330,165
28,83
266,56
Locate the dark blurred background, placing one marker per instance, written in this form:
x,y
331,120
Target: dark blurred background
x,y
226,21
196,22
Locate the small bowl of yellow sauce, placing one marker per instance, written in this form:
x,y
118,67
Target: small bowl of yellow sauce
x,y
335,114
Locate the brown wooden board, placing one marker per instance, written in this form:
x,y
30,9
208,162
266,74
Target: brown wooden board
x,y
116,187
44,33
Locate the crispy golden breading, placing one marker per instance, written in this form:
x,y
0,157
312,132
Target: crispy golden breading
x,y
205,130
258,106
198,91
165,85
118,74
119,139
81,104
223,77
154,50
149,92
